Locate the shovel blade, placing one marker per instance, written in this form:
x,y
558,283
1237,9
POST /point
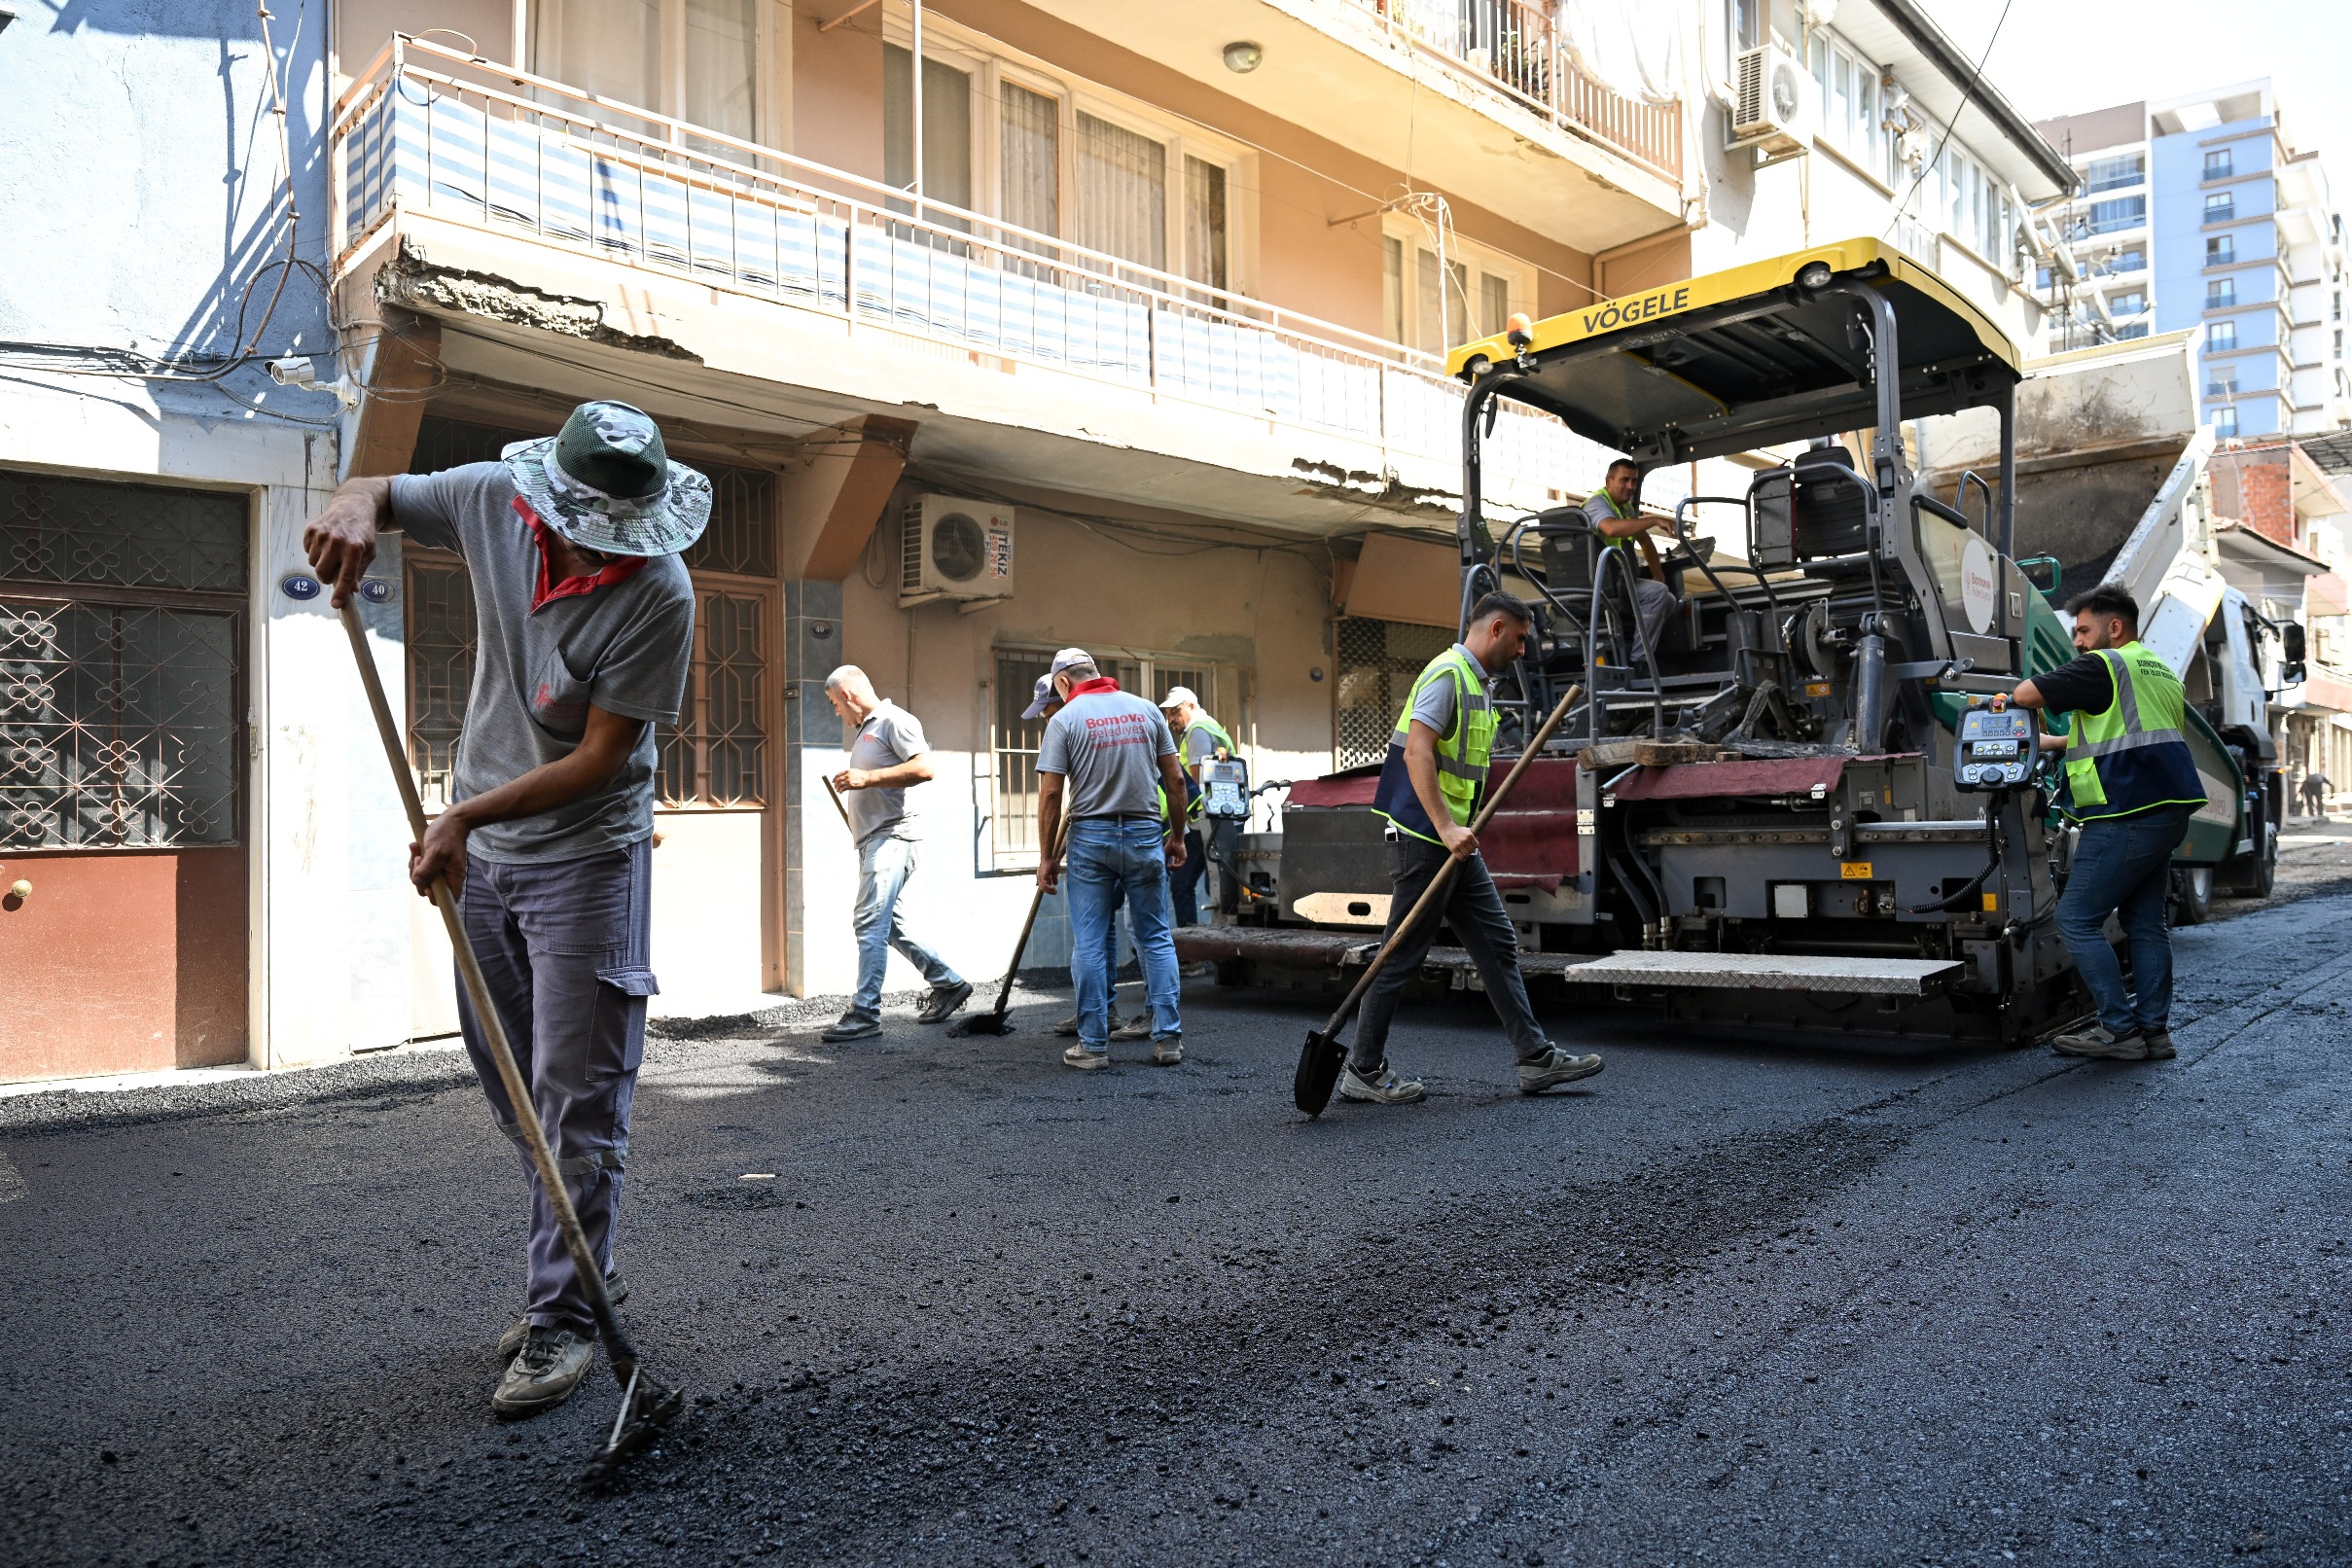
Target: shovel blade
x,y
982,1024
1320,1059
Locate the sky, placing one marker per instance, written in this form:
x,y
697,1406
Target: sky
x,y
2064,57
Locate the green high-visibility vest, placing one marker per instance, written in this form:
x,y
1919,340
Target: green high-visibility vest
x,y
1463,754
1199,798
2135,754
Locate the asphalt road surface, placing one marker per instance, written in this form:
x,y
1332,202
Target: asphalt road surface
x,y
1818,1302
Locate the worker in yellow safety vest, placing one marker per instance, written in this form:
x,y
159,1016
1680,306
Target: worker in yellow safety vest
x,y
1200,740
1429,790
1615,510
2132,784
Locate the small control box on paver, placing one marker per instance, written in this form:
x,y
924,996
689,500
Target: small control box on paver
x,y
1995,749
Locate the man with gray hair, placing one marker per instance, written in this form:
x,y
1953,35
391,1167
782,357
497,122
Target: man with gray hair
x,y
888,756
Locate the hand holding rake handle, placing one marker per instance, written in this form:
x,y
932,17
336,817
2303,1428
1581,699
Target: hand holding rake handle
x,y
645,1405
1324,1054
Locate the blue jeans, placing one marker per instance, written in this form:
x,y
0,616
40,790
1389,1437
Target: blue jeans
x,y
2123,867
1109,856
885,867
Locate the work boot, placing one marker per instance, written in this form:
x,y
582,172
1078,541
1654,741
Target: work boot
x,y
943,1002
1379,1086
2159,1043
1167,1050
2096,1041
1085,1060
510,1342
1554,1068
1138,1027
544,1375
851,1026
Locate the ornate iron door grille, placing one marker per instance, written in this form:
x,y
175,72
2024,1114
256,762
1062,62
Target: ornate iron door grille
x,y
122,701
1378,662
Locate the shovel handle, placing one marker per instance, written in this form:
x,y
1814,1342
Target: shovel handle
x,y
618,1348
836,802
1435,892
1021,943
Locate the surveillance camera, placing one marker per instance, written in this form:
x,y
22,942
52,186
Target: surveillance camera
x,y
294,370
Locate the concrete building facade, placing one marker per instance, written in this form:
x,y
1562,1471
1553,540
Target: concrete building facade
x,y
2200,211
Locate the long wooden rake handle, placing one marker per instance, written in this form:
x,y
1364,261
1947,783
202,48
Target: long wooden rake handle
x,y
618,1346
1021,944
1435,892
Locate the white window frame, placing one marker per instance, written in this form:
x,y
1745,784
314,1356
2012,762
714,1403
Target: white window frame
x,y
771,62
1478,260
992,64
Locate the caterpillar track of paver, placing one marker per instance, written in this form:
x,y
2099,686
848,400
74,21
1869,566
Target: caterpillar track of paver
x,y
1765,820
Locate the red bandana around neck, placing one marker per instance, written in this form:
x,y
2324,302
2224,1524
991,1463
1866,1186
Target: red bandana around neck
x,y
1100,683
550,590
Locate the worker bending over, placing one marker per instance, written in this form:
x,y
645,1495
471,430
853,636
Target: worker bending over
x,y
587,625
1430,788
2132,784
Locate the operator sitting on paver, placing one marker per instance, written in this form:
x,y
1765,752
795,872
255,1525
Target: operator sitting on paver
x,y
586,624
1616,516
1429,790
2132,783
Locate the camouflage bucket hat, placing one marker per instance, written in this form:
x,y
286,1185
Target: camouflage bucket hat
x,y
605,483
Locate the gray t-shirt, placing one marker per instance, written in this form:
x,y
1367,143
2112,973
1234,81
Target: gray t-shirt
x,y
1108,746
1435,705
889,736
623,646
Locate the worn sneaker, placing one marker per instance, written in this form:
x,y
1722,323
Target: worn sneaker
x,y
1085,1060
2097,1042
1555,1069
2160,1044
1138,1027
1167,1050
1379,1086
544,1375
510,1342
1067,1027
943,1002
852,1026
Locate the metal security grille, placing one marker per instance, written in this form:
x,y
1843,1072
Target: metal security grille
x,y
719,757
119,703
441,666
1378,662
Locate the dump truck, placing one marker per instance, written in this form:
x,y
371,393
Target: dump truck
x,y
1792,808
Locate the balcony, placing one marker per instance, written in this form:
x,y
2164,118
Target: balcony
x,y
655,221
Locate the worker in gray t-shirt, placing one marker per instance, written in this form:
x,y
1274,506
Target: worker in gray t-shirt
x,y
1615,511
888,756
1108,763
587,629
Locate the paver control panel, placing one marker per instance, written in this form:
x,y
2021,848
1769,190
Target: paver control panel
x,y
1995,749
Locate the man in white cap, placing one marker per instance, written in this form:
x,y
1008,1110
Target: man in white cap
x,y
1044,703
1200,740
587,620
1108,761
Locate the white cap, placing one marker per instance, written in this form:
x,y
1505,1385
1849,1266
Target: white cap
x,y
1179,695
1067,657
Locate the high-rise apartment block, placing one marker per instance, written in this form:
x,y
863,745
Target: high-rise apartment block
x,y
2199,211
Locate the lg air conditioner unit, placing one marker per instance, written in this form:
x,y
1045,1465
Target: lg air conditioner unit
x,y
953,549
1771,103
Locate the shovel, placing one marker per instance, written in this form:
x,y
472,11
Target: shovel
x,y
1324,1053
994,1022
646,1406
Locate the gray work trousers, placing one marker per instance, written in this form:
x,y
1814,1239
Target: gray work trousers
x,y
1474,910
563,946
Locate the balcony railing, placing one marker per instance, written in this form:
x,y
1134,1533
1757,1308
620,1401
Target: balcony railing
x,y
428,129
1515,44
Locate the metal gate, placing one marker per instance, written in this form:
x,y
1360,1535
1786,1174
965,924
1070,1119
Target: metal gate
x,y
123,868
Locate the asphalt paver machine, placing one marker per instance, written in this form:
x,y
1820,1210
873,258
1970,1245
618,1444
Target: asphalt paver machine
x,y
1788,809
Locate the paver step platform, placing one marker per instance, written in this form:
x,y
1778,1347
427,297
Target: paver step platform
x,y
1771,972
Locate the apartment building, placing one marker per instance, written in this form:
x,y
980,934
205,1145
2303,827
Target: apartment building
x,y
2199,211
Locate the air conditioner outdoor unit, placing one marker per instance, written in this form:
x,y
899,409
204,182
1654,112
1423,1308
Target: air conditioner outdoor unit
x,y
953,549
1772,102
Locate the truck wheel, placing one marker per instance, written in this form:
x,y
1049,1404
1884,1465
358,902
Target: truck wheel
x,y
2265,866
2191,894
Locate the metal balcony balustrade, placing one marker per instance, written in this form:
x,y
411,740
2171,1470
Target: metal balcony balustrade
x,y
1515,44
427,130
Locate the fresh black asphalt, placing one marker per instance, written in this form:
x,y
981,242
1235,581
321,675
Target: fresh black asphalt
x,y
1819,1302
